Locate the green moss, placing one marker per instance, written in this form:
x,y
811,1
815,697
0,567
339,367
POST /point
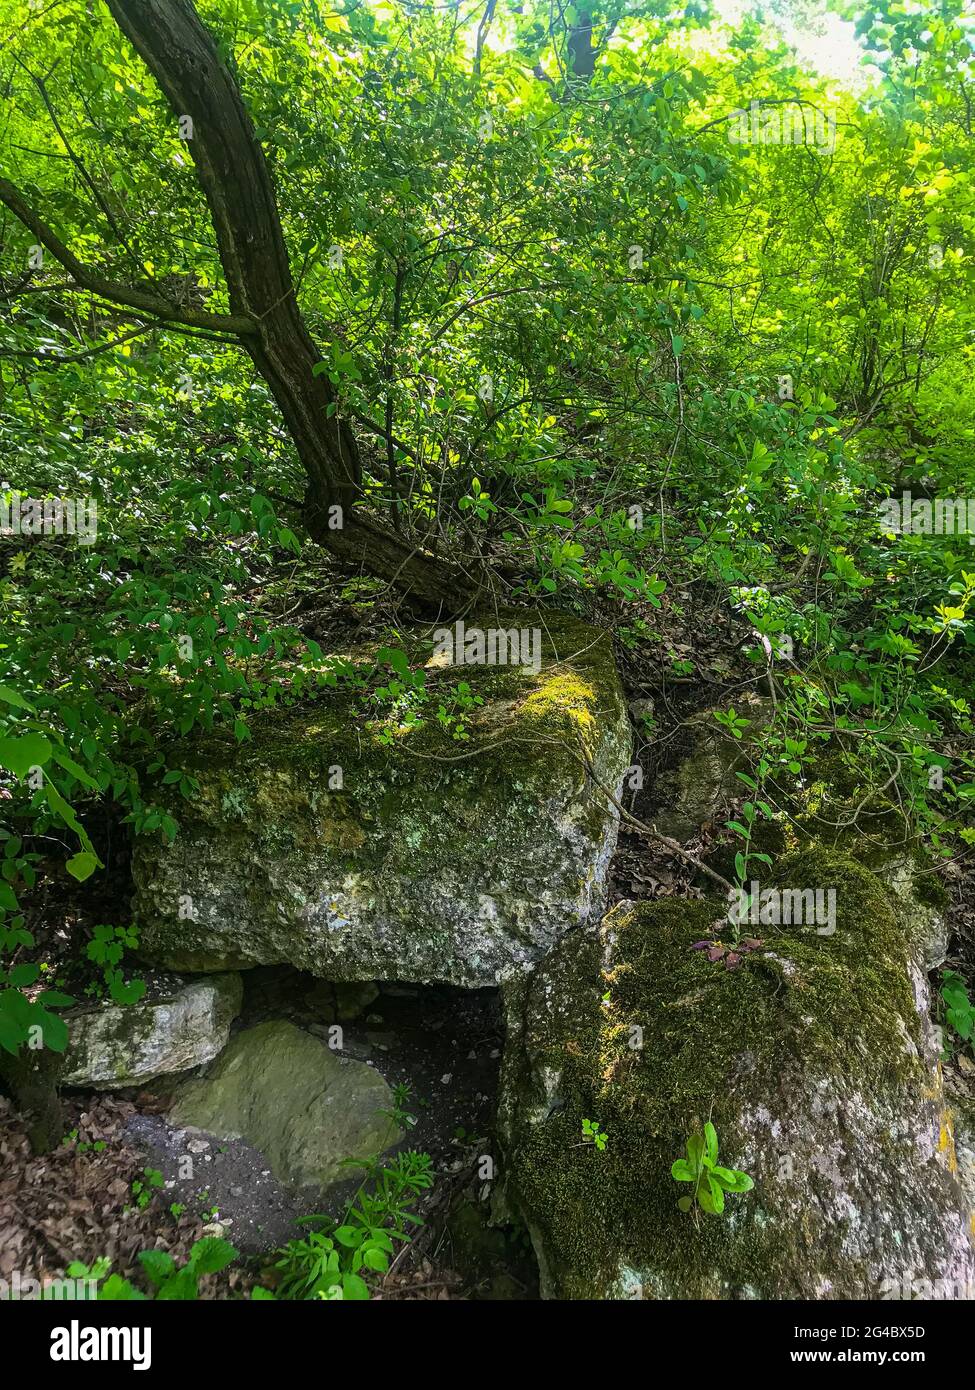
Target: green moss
x,y
414,806
540,723
710,1037
840,799
554,709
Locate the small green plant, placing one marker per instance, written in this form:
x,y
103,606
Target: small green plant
x,y
711,1182
83,1146
736,724
105,950
450,714
88,1276
142,1191
168,1282
746,856
959,1010
592,1134
330,1262
399,1114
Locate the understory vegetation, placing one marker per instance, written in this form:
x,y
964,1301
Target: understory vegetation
x,y
322,323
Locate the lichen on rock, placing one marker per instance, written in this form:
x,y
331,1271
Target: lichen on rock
x,y
815,1061
115,1045
435,860
307,1110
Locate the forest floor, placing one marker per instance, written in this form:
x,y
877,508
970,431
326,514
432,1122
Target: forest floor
x,y
441,1046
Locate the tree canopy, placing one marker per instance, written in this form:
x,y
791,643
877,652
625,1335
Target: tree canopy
x,y
421,305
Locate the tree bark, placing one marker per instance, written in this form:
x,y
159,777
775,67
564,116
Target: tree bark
x,y
183,58
582,51
33,1081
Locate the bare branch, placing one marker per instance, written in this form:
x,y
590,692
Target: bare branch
x,y
146,300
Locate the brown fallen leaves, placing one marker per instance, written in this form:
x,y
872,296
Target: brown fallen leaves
x,y
76,1203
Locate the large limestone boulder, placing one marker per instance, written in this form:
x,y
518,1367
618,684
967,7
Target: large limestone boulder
x,y
360,849
186,1026
305,1109
814,1059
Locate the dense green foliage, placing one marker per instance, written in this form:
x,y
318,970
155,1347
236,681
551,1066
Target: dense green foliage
x,y
597,342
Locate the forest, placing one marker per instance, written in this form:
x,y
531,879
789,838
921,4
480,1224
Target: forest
x,y
487,655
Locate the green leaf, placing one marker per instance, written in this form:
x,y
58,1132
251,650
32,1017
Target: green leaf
x,y
123,993
711,1142
69,765
393,657
82,865
118,1290
682,1171
158,1265
54,999
705,1201
375,1260
353,1287
732,1180
179,1287
13,698
22,975
54,1031
211,1254
717,1195
19,755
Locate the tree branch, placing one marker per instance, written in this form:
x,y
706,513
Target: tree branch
x,y
132,297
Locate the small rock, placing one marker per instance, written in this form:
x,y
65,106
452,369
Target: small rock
x,y
115,1046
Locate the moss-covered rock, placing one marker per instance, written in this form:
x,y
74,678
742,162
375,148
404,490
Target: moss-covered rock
x,y
424,858
815,1061
834,801
701,781
961,1132
115,1046
305,1109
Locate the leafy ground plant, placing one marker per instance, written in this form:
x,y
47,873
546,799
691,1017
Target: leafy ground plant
x,y
710,1181
168,1282
959,1010
105,950
592,1134
330,1262
142,1190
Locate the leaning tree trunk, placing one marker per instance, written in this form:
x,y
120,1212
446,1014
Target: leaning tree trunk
x,y
182,56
